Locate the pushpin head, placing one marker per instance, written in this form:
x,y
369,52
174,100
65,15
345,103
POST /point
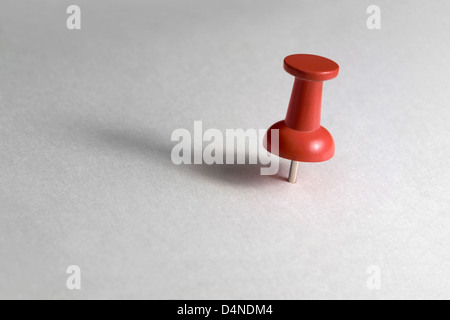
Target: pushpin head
x,y
311,67
301,138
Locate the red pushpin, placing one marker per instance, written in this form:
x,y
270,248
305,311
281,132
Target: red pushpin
x,y
301,138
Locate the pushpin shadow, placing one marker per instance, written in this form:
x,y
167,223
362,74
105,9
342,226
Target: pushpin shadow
x,y
150,146
245,173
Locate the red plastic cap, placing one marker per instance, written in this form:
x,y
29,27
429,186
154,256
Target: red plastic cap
x,y
312,146
301,137
311,67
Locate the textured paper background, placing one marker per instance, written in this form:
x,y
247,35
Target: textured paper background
x,y
87,179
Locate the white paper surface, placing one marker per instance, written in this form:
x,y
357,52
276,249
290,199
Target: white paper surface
x,y
87,178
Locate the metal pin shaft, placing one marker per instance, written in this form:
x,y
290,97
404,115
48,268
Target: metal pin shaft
x,y
293,172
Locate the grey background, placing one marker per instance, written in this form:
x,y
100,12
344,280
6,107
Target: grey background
x,y
87,179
